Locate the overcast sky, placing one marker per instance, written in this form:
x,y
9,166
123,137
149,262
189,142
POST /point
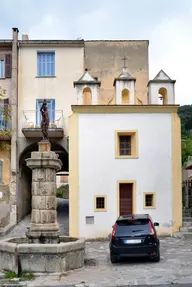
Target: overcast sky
x,y
167,24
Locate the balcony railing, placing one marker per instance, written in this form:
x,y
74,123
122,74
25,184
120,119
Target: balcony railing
x,y
32,119
31,123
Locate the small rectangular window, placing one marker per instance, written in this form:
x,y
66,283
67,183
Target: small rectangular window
x,y
46,64
149,200
2,69
126,144
100,203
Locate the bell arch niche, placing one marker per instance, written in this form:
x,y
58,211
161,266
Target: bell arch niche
x,y
87,96
125,95
162,96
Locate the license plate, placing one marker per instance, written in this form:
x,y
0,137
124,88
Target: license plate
x,y
132,241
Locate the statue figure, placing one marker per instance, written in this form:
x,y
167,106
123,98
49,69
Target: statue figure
x,y
44,120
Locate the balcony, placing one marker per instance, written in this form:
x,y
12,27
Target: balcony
x,y
31,124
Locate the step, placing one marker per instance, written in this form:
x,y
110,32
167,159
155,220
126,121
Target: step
x,y
185,229
187,224
186,235
187,218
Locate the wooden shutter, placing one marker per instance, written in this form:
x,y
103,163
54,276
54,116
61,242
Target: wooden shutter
x,y
8,65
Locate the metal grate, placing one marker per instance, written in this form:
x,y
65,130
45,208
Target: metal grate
x,y
100,202
149,200
125,145
89,219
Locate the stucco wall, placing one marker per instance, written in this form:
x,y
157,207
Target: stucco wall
x,y
69,66
5,83
104,60
154,93
5,157
99,171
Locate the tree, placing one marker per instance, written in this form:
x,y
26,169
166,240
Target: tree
x,y
5,131
185,114
186,150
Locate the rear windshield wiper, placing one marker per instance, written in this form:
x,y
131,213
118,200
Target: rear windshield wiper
x,y
137,230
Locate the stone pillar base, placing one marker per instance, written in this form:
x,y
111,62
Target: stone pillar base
x,y
43,237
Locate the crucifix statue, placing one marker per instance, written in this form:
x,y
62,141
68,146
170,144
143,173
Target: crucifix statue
x,y
44,120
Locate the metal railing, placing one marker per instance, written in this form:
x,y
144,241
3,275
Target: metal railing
x,y
32,119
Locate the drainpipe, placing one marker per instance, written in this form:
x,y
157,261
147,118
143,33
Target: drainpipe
x,y
14,120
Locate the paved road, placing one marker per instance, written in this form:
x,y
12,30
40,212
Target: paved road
x,y
175,266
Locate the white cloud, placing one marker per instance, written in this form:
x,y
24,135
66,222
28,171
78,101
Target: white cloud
x,y
170,49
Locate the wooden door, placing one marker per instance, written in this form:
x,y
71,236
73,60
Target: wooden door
x,y
125,198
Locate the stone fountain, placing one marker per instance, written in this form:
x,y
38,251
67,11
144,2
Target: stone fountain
x,y
43,249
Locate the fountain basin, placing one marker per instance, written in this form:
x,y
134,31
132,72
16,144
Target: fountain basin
x,y
17,255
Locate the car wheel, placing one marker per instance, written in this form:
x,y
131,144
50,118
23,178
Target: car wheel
x,y
114,258
156,258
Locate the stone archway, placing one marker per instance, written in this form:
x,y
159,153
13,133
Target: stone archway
x,y
25,177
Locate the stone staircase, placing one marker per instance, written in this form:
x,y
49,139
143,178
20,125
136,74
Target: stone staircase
x,y
186,228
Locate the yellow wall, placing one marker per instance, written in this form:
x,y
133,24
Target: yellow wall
x,y
73,176
5,157
176,173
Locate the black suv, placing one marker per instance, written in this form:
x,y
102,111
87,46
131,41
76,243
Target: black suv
x,y
134,236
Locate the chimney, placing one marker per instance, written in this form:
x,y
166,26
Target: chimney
x,y
15,34
25,37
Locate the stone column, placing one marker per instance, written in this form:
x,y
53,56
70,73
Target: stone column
x,y
44,227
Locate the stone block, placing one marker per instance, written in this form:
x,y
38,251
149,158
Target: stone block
x,y
50,175
48,216
38,202
47,188
35,216
35,188
51,202
44,146
39,174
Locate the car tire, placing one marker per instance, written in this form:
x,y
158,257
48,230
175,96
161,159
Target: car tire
x,y
156,258
113,258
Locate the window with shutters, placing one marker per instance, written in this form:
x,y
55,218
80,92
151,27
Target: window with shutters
x,y
1,171
8,65
4,114
46,64
126,144
2,68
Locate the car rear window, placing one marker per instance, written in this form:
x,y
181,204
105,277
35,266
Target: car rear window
x,y
136,226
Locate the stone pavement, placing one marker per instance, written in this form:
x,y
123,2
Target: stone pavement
x,y
175,267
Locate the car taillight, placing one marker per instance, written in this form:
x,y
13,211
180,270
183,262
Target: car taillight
x,y
114,230
153,233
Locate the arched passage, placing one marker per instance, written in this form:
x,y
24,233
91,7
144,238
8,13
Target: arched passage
x,y
162,96
25,177
87,96
125,96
